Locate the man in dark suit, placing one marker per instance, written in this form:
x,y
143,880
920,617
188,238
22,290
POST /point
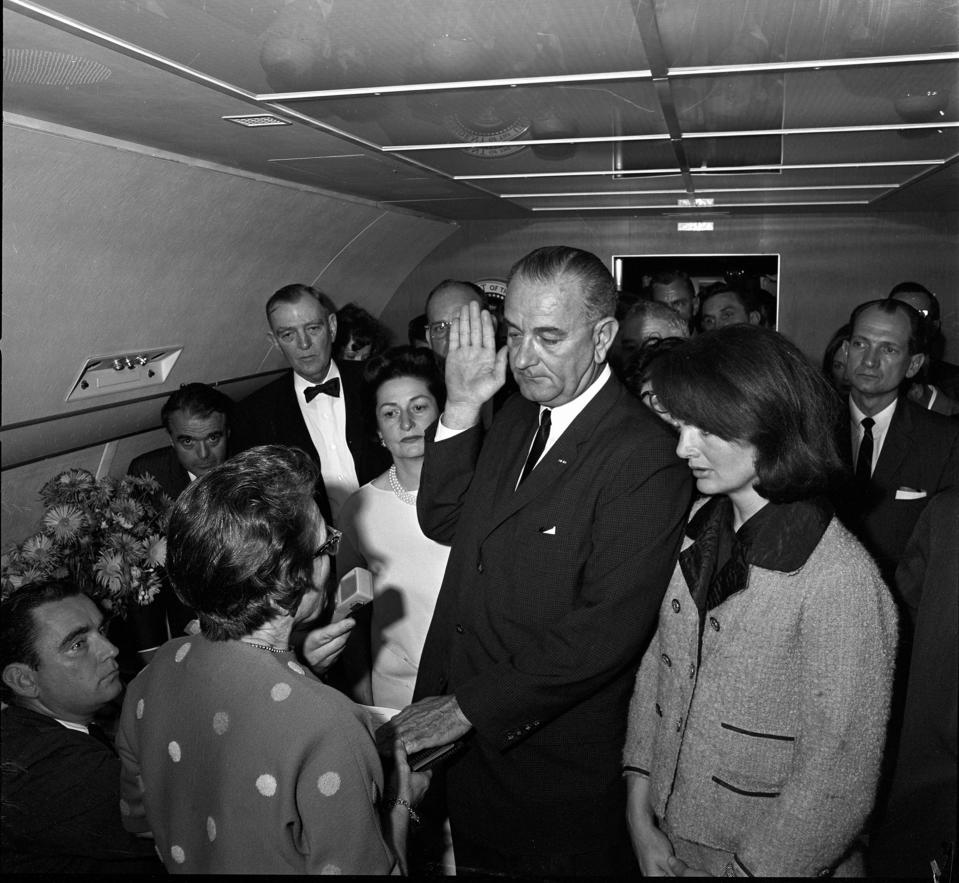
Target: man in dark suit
x,y
197,418
565,522
943,375
903,454
317,405
61,775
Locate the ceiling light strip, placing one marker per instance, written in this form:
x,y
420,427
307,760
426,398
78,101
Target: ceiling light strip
x,y
675,170
686,208
570,193
812,64
407,88
606,139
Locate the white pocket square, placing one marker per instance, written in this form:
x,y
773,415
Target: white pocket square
x,y
549,531
907,493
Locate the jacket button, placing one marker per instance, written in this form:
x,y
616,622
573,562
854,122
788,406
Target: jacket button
x,y
667,661
675,606
692,669
714,623
460,629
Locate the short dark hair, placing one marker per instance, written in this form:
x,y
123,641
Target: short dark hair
x,y
242,536
401,361
646,310
918,340
637,369
416,329
446,283
745,297
670,277
353,322
291,294
915,287
748,384
553,262
840,336
19,627
199,399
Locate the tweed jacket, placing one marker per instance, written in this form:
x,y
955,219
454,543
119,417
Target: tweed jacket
x,y
767,743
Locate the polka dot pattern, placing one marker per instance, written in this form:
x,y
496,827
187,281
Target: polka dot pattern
x,y
280,691
266,785
221,722
295,666
211,828
182,652
331,869
179,856
328,784
140,707
174,750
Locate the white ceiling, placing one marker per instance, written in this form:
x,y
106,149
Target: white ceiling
x,y
586,106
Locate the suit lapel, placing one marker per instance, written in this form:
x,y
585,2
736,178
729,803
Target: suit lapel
x,y
895,447
560,457
290,420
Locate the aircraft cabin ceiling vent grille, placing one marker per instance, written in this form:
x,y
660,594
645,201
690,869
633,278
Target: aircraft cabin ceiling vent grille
x,y
41,68
256,121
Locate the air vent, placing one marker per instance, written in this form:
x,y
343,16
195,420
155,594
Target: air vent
x,y
257,121
41,68
119,372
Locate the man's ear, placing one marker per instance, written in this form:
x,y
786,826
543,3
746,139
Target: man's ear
x,y
21,679
270,336
755,317
332,320
604,333
915,363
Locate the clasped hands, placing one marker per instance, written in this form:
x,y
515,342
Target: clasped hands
x,y
475,371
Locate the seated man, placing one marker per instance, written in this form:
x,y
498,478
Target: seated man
x,y
61,775
197,417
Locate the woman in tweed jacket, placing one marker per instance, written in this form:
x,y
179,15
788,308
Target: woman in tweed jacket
x,y
757,724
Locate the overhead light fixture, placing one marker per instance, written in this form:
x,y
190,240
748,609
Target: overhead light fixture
x,y
257,121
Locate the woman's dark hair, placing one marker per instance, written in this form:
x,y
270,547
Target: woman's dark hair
x,y
401,361
242,537
353,322
636,370
748,384
840,336
18,625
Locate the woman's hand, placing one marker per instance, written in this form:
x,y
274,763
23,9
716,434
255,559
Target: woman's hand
x,y
405,790
652,847
681,869
323,646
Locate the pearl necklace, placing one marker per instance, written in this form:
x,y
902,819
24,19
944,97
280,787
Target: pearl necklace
x,y
268,647
406,496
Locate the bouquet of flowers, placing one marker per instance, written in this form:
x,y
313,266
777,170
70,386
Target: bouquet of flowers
x,y
107,535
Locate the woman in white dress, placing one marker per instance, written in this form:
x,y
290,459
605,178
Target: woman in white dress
x,y
382,534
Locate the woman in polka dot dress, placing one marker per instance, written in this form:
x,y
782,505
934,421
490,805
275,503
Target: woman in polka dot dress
x,y
235,755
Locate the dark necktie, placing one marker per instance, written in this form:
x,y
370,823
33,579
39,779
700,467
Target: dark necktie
x,y
539,445
864,460
98,733
330,388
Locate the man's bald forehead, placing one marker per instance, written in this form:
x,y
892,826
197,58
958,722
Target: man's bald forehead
x,y
449,299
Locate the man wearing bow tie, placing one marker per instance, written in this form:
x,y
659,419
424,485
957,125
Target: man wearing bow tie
x,y
316,405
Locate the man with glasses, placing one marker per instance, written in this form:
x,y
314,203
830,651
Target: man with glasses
x,y
565,520
443,305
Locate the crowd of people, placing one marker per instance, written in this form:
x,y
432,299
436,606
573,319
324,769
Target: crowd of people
x,y
652,593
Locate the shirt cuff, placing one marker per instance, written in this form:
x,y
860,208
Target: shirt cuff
x,y
444,432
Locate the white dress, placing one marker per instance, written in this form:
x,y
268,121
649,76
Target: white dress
x,y
381,533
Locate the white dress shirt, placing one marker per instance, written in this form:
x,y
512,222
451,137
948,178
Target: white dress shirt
x,y
879,429
325,418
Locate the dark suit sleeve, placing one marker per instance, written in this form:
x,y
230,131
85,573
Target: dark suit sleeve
x,y
445,479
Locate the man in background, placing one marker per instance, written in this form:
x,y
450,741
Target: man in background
x,y
676,290
61,774
725,305
643,321
443,305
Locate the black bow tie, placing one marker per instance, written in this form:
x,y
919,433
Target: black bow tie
x,y
330,388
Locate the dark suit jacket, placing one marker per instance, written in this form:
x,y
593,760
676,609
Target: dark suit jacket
x,y
61,802
921,453
550,596
272,415
164,466
921,814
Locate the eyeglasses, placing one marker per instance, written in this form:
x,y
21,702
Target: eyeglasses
x,y
439,329
332,543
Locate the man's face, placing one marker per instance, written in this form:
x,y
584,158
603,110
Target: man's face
x,y
199,442
554,352
676,296
877,358
634,331
304,333
726,309
444,307
78,673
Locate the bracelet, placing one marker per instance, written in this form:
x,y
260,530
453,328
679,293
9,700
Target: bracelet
x,y
399,801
